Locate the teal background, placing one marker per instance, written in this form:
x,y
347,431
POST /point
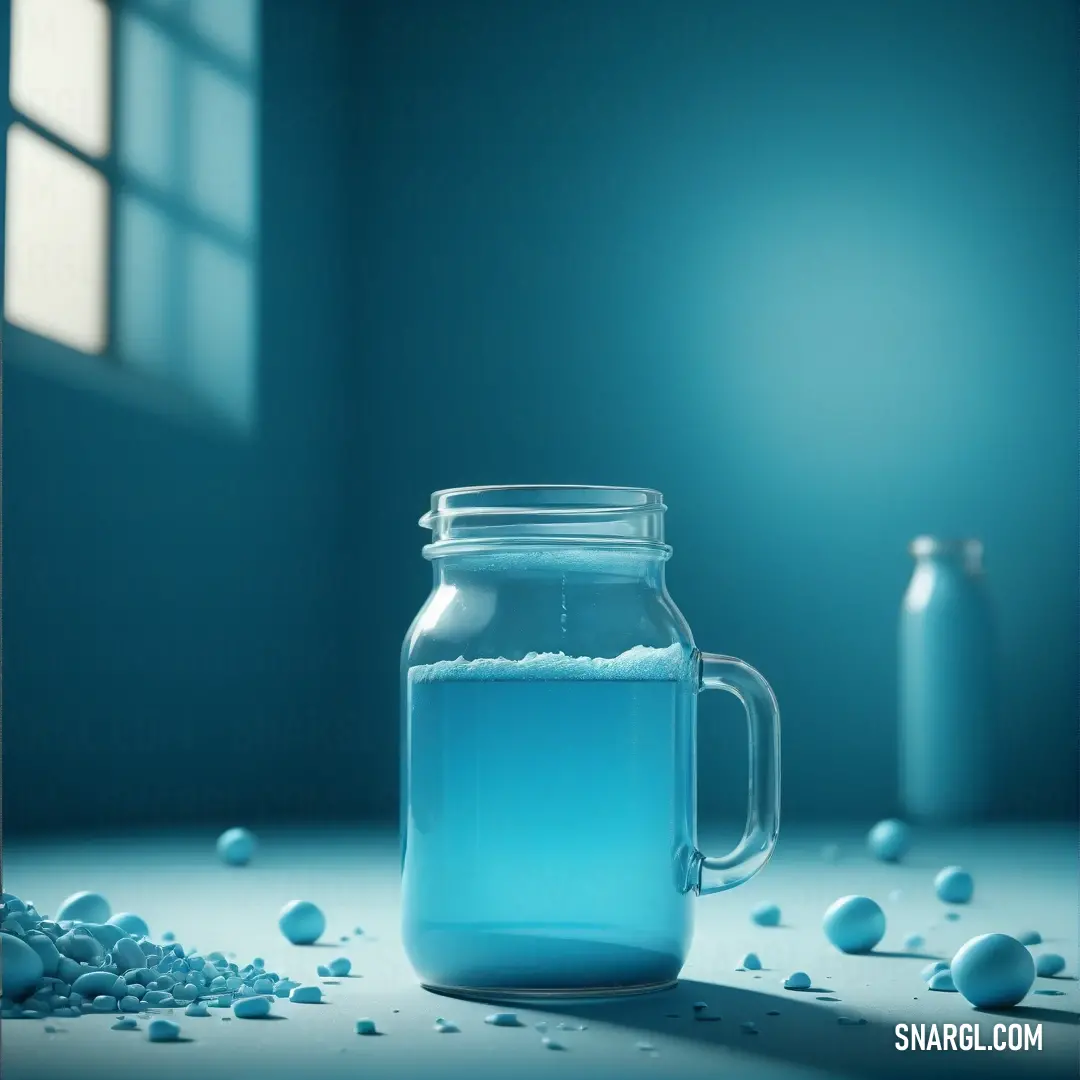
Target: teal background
x,y
811,270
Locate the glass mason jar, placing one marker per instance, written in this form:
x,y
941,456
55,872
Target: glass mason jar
x,y
946,684
549,693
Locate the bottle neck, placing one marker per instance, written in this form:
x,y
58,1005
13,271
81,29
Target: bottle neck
x,y
958,556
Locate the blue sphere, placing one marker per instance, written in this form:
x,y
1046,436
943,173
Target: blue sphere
x,y
86,907
766,914
131,924
993,971
235,847
1050,964
22,966
954,885
302,922
889,840
854,924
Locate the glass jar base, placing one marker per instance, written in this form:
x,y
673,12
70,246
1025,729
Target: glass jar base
x,y
569,996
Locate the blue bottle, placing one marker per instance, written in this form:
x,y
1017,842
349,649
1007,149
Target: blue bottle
x,y
946,684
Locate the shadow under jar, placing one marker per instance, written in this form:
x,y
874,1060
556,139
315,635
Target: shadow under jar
x,y
549,697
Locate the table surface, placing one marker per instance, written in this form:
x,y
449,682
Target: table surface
x,y
1026,878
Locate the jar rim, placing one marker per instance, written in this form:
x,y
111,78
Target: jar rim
x,y
545,499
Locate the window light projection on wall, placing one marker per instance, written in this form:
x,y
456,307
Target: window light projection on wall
x,y
131,222
57,203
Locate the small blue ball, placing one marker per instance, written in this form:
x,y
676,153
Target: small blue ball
x,y
130,924
301,922
854,924
993,971
235,847
1049,965
954,885
163,1031
22,966
943,980
889,840
766,914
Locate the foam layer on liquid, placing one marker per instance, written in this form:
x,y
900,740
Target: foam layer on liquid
x,y
640,663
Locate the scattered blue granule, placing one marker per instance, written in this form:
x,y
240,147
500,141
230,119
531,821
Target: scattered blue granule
x,y
503,1019
943,980
251,1008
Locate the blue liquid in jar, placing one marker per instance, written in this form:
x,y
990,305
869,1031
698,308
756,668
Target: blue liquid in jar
x,y
550,818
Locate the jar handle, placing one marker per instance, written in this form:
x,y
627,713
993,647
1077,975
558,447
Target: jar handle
x,y
711,875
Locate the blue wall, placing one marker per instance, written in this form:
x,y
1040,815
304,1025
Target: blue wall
x,y
808,269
